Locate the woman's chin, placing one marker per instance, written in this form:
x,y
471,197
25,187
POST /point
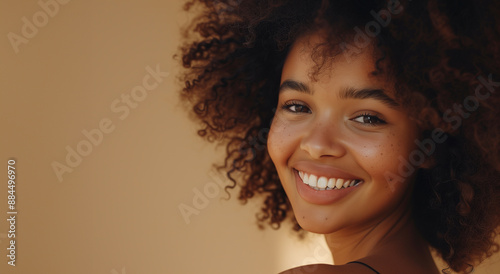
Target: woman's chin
x,y
317,226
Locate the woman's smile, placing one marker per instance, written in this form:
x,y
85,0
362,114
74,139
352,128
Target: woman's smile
x,y
323,184
329,193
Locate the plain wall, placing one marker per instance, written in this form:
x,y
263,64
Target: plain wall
x,y
118,209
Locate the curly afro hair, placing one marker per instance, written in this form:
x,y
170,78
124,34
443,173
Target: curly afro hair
x,y
233,53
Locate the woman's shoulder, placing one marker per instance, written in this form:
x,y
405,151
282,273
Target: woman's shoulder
x,y
367,267
330,269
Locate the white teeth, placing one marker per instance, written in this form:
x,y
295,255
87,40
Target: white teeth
x,y
331,183
322,182
313,181
339,183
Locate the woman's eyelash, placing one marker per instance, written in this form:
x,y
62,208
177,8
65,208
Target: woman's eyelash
x,y
365,118
369,119
295,107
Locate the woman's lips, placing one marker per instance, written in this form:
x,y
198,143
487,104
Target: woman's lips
x,y
325,196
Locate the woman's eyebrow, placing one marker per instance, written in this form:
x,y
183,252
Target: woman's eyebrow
x,y
377,94
348,93
297,86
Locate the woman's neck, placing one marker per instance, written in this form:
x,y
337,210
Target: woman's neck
x,y
392,241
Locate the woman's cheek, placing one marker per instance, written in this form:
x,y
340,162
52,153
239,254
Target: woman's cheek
x,y
400,145
276,143
284,140
380,156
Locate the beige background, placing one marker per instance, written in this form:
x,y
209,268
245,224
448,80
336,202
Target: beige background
x,y
118,210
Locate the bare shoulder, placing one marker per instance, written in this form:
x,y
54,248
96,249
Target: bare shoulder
x,y
328,269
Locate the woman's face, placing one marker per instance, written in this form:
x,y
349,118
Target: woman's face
x,y
341,131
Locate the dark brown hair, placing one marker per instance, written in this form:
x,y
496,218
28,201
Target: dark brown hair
x,y
444,57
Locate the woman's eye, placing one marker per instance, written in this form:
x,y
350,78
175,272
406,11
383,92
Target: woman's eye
x,y
296,107
369,119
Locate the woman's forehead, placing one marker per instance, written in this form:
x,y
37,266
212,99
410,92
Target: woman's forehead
x,y
308,61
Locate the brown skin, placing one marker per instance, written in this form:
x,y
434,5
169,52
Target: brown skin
x,y
322,133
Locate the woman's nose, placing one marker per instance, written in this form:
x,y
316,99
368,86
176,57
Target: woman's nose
x,y
323,140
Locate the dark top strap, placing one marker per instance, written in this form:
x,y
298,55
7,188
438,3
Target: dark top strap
x,y
357,262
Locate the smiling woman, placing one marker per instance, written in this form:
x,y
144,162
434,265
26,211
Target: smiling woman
x,y
332,141
355,100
